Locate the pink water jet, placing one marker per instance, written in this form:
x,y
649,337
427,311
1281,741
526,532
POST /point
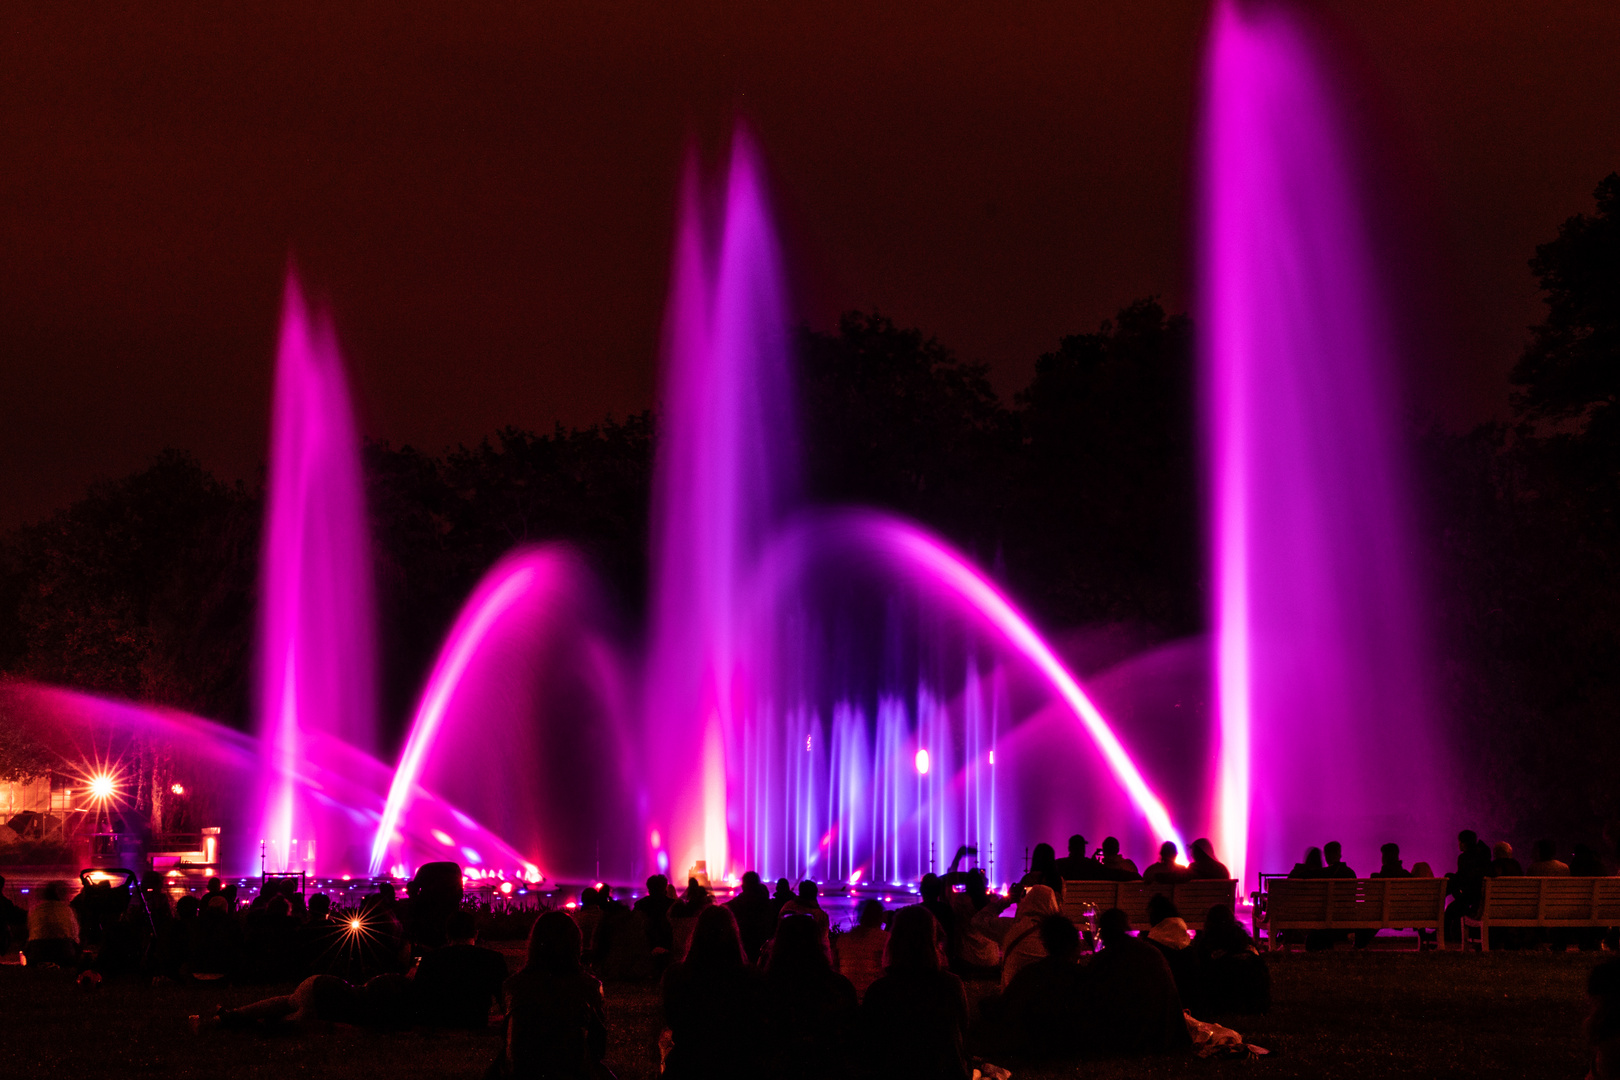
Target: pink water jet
x,y
521,724
1324,712
316,659
724,473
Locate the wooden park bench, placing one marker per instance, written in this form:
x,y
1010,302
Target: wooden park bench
x,y
1192,898
1544,901
1346,904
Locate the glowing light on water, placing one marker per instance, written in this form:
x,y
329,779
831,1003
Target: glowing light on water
x,y
931,564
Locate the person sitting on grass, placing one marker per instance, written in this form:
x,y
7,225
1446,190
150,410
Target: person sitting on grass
x,y
1045,1009
555,1019
182,936
683,914
1169,929
53,930
808,902
13,919
1138,1006
315,938
714,1004
780,898
588,915
318,1001
456,983
654,911
1022,942
1233,977
810,1008
978,937
914,1019
756,919
1602,1025
860,951
1170,934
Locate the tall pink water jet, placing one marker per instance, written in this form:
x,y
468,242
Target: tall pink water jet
x,y
1325,728
316,661
724,470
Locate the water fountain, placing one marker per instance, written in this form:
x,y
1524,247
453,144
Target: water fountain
x,y
758,743
834,693
316,664
1325,717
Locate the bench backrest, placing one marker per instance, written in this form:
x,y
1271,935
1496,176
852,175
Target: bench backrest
x,y
1192,898
1354,902
1552,899
1195,898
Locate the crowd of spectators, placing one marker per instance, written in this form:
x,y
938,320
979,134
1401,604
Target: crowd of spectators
x,y
763,983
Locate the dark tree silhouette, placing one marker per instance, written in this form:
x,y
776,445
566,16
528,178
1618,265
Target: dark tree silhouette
x,y
144,588
1106,523
893,419
1571,368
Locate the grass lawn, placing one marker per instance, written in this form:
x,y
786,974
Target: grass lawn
x,y
1339,1014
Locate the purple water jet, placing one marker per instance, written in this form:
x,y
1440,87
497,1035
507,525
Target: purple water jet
x,y
1324,713
899,820
316,662
725,469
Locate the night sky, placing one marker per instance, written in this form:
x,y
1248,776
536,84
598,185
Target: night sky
x,y
484,193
